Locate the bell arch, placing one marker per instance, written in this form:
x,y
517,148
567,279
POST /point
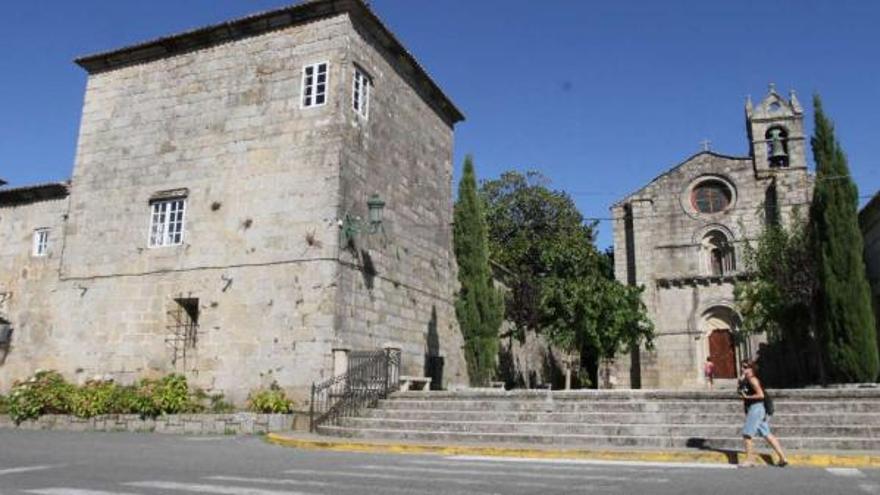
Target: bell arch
x,y
776,138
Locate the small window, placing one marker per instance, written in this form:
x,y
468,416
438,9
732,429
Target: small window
x,y
166,222
711,196
314,85
360,94
41,242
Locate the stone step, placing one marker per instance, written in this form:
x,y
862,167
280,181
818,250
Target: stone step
x,y
699,417
624,406
597,441
611,429
818,394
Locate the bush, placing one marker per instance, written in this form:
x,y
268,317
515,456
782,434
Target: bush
x,y
270,401
44,393
168,395
4,404
92,399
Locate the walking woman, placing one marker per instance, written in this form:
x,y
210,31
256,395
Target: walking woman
x,y
752,393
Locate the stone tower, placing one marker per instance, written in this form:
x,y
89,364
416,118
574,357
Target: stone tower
x,y
777,148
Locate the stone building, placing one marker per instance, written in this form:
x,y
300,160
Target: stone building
x,y
216,220
869,219
681,237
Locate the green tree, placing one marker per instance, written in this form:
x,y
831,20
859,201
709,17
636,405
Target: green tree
x,y
563,287
531,226
845,322
479,307
777,300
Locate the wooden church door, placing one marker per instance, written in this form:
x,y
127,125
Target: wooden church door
x,y
723,353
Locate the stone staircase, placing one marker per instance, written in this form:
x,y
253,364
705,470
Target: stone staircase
x,y
811,419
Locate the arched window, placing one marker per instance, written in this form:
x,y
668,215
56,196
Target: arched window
x,y
777,146
718,254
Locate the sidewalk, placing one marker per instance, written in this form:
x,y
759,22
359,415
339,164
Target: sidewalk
x,y
796,458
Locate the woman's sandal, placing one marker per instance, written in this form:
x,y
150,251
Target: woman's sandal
x,y
783,463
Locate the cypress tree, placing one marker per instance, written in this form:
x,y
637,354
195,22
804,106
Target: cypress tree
x,y
479,307
845,322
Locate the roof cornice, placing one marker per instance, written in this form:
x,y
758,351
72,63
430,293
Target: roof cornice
x,y
263,22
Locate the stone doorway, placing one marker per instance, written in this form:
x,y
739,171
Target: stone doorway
x,y
718,327
722,351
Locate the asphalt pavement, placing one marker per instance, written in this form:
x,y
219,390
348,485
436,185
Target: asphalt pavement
x,y
70,463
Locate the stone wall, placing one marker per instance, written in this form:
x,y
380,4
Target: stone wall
x,y
179,424
403,152
28,283
266,183
659,243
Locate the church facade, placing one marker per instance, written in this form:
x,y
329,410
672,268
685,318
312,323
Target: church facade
x,y
223,216
682,236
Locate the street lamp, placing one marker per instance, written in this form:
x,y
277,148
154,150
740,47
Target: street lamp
x,y
352,225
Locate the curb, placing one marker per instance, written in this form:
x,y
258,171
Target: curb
x,y
705,457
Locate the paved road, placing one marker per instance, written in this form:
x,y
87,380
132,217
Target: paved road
x,y
65,463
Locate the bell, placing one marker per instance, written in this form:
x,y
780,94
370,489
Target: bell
x,y
777,145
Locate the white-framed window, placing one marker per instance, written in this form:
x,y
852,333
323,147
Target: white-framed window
x,y
166,222
314,85
41,242
360,93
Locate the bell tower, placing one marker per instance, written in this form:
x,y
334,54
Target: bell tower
x,y
776,133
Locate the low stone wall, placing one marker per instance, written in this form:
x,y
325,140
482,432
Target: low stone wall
x,y
182,424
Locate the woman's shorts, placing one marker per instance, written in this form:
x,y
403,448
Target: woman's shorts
x,y
756,422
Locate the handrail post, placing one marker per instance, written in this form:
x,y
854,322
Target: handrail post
x,y
312,410
386,363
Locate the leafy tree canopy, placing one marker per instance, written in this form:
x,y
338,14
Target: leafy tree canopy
x,y
562,286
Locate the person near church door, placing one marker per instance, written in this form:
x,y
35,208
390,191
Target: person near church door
x,y
709,372
756,424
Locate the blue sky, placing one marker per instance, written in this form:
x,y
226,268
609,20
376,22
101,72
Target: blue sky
x,y
599,96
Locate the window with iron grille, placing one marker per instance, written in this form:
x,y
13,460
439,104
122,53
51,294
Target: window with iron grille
x,y
41,242
166,222
314,85
183,329
360,94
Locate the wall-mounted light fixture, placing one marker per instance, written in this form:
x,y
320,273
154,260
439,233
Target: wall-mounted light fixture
x,y
351,225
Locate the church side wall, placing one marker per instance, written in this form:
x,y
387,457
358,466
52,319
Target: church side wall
x,y
403,152
261,178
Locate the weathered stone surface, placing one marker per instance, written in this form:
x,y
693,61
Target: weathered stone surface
x,y
820,419
189,424
266,183
661,241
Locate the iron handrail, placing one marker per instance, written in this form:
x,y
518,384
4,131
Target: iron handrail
x,y
371,378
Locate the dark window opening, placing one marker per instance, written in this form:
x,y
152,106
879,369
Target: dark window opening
x,y
183,328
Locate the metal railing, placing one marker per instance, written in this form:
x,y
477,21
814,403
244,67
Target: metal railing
x,y
369,378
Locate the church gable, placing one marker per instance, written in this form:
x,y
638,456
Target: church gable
x,y
703,163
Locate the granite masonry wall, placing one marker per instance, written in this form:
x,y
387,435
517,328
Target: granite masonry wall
x,y
266,183
179,424
659,244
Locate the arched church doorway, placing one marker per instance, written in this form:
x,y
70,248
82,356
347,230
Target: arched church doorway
x,y
719,325
723,353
